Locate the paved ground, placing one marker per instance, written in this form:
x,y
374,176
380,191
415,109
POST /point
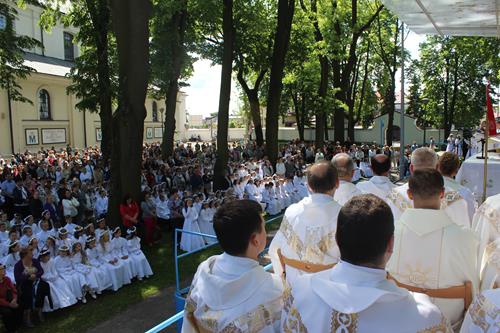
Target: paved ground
x,y
142,316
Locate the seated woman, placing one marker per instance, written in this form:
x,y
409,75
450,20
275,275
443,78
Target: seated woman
x,y
9,307
28,273
141,264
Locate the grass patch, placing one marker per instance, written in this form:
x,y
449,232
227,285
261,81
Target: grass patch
x,y
82,317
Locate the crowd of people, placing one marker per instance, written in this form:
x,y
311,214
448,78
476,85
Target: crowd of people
x,y
54,205
347,257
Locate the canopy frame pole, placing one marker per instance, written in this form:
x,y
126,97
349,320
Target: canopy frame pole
x,y
402,111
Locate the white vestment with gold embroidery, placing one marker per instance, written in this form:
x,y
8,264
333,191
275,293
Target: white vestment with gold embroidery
x,y
465,193
486,224
355,299
432,252
483,315
345,192
233,294
378,185
452,203
307,233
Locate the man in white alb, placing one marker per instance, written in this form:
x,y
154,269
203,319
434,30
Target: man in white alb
x,y
231,292
430,251
379,184
355,295
345,169
307,232
483,315
448,166
486,224
452,202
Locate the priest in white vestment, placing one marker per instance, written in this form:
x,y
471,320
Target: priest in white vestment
x,y
231,292
355,295
345,169
452,202
380,184
483,316
448,166
307,231
430,251
486,224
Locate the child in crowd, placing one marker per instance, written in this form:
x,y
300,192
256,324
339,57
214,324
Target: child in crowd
x,y
190,242
118,273
141,264
59,290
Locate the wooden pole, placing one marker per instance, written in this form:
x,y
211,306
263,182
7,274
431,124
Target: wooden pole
x,y
485,147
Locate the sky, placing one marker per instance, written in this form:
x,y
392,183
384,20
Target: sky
x,y
203,90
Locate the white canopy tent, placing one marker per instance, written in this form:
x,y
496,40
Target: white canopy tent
x,y
449,17
445,17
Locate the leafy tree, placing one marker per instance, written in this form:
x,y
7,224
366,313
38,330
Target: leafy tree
x,y
172,37
452,70
12,46
286,9
389,50
225,94
346,23
254,22
95,73
312,13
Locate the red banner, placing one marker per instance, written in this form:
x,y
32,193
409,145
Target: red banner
x,y
491,116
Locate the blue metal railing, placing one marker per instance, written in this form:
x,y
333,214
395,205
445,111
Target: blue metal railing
x,y
179,315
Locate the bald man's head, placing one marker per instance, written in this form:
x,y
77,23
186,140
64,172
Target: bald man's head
x,y
423,158
322,177
381,165
344,165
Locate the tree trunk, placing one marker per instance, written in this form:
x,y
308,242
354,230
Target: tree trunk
x,y
363,84
281,40
389,101
225,95
255,113
454,93
446,119
298,117
253,100
178,23
167,143
130,23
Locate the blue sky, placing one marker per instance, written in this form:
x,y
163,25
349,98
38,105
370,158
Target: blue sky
x,y
204,85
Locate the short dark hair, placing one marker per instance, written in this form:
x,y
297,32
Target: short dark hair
x,y
448,163
365,226
426,183
234,224
322,177
380,164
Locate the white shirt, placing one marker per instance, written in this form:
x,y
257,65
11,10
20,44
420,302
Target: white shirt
x,y
380,186
350,298
345,192
452,203
162,210
101,205
233,294
307,233
430,251
452,184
